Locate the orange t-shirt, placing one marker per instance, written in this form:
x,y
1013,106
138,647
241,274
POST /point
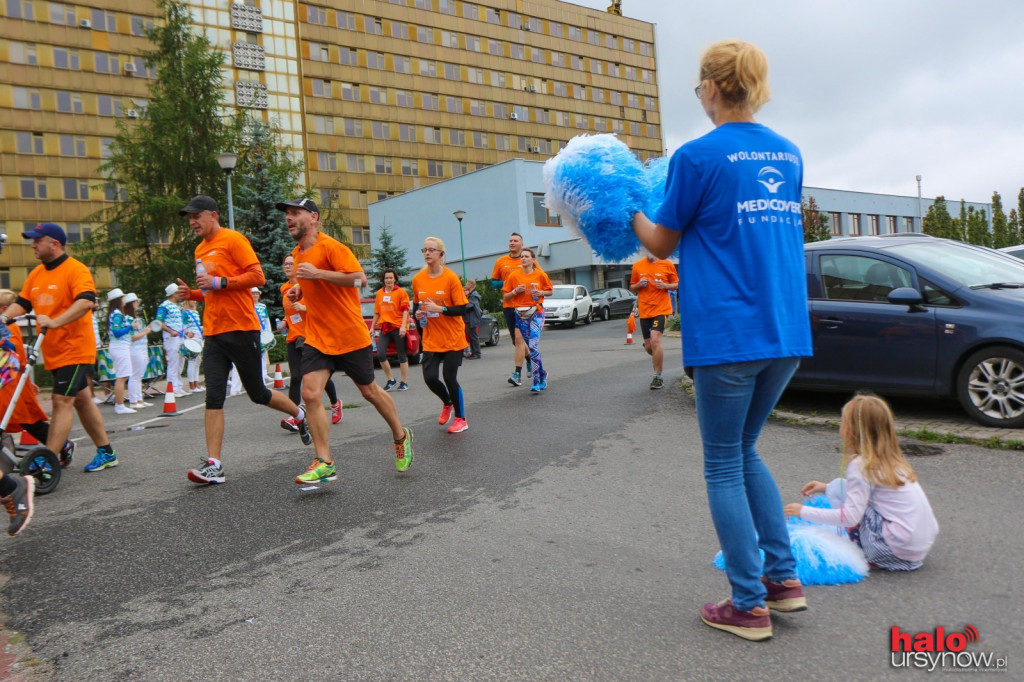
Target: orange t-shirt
x,y
27,411
538,277
445,332
334,318
295,319
229,254
389,307
503,267
51,292
651,300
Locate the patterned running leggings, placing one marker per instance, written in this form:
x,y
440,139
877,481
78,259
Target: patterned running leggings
x,y
531,328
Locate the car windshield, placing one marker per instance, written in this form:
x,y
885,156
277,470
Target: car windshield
x,y
969,267
562,293
599,293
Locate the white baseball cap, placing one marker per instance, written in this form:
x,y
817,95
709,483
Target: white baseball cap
x,y
170,289
130,298
114,293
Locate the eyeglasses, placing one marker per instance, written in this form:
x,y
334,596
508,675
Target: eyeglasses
x,y
429,250
697,90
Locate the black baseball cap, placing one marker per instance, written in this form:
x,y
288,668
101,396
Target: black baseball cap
x,y
307,204
52,230
199,204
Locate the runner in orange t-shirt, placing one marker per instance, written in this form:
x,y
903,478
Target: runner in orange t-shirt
x,y
391,324
329,278
440,301
651,281
525,290
503,267
62,294
231,328
294,323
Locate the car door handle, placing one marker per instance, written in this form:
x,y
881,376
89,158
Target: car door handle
x,y
830,323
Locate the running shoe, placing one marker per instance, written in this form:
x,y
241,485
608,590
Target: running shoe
x,y
515,380
290,425
458,426
402,386
318,472
783,597
446,414
535,388
336,415
754,624
212,471
403,452
543,383
390,384
657,382
20,503
123,409
67,453
303,427
102,460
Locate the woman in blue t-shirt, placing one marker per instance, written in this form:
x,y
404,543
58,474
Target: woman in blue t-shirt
x,y
733,207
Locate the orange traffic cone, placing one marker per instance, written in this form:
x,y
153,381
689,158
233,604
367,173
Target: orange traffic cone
x,y
630,328
170,408
278,379
28,439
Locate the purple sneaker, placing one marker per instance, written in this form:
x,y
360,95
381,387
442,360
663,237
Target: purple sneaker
x,y
782,597
755,624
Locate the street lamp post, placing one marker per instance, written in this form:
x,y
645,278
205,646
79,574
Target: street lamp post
x,y
227,164
920,216
459,215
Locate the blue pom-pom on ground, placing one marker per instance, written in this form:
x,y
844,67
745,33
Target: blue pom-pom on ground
x,y
596,184
823,556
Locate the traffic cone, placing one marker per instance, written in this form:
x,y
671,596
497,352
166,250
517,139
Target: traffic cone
x,y
28,439
630,328
278,379
170,408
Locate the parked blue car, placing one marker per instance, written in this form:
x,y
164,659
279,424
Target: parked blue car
x,y
910,314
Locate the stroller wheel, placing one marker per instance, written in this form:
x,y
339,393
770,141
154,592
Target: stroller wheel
x,y
44,465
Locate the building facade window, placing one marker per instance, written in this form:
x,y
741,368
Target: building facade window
x,y
541,216
382,165
76,190
381,130
406,132
346,21
327,161
378,95
435,169
353,127
873,225
855,224
350,92
410,167
835,222
890,224
316,15
72,145
355,163
33,188
29,143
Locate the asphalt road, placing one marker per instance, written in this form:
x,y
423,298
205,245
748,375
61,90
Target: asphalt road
x,y
565,536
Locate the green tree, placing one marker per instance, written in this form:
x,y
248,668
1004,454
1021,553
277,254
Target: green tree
x,y
937,222
490,297
387,255
266,175
1000,227
816,228
977,227
1013,227
164,157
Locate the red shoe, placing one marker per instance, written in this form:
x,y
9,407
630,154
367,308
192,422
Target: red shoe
x,y
755,624
336,414
446,414
290,425
786,598
458,426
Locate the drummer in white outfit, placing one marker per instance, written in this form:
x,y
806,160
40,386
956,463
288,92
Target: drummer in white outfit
x,y
119,328
266,333
192,345
139,352
168,314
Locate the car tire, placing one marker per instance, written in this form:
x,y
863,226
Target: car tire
x,y
590,317
986,385
495,337
605,314
575,316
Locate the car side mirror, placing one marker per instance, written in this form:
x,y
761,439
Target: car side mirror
x,y
907,296
579,297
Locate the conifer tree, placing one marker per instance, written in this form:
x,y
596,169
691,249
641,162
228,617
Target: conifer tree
x,y
816,228
387,255
937,222
1000,227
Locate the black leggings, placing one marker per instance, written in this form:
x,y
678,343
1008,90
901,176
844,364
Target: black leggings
x,y
382,346
449,392
295,382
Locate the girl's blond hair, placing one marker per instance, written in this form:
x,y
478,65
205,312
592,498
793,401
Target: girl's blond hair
x,y
740,70
440,245
7,297
870,432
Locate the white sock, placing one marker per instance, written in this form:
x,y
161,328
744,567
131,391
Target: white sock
x,y
301,416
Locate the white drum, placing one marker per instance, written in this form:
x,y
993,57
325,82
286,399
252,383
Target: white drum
x,y
155,326
267,340
191,349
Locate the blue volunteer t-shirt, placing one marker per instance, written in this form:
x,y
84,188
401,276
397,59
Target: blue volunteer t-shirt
x,y
735,194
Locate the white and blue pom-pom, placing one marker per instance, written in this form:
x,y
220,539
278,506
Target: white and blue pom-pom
x,y
823,555
596,184
656,171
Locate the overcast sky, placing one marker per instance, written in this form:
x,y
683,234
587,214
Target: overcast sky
x,y
874,92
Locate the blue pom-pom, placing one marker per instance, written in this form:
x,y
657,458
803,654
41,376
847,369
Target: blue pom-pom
x,y
823,556
656,171
596,184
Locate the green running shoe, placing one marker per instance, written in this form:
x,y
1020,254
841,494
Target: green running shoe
x,y
403,452
656,383
318,472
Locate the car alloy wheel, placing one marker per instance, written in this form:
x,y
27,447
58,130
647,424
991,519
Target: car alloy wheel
x,y
606,313
990,386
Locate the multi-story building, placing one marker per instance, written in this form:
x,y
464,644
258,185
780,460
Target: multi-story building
x,y
377,97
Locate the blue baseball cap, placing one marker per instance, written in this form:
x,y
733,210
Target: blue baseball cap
x,y
52,230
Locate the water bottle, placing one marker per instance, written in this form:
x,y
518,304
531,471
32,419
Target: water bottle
x,y
533,292
201,270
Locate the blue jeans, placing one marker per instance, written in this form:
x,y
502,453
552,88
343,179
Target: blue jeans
x,y
733,403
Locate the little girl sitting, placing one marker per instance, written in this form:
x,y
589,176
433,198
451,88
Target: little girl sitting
x,y
879,501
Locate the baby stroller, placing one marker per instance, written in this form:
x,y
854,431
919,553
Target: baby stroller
x,y
39,462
